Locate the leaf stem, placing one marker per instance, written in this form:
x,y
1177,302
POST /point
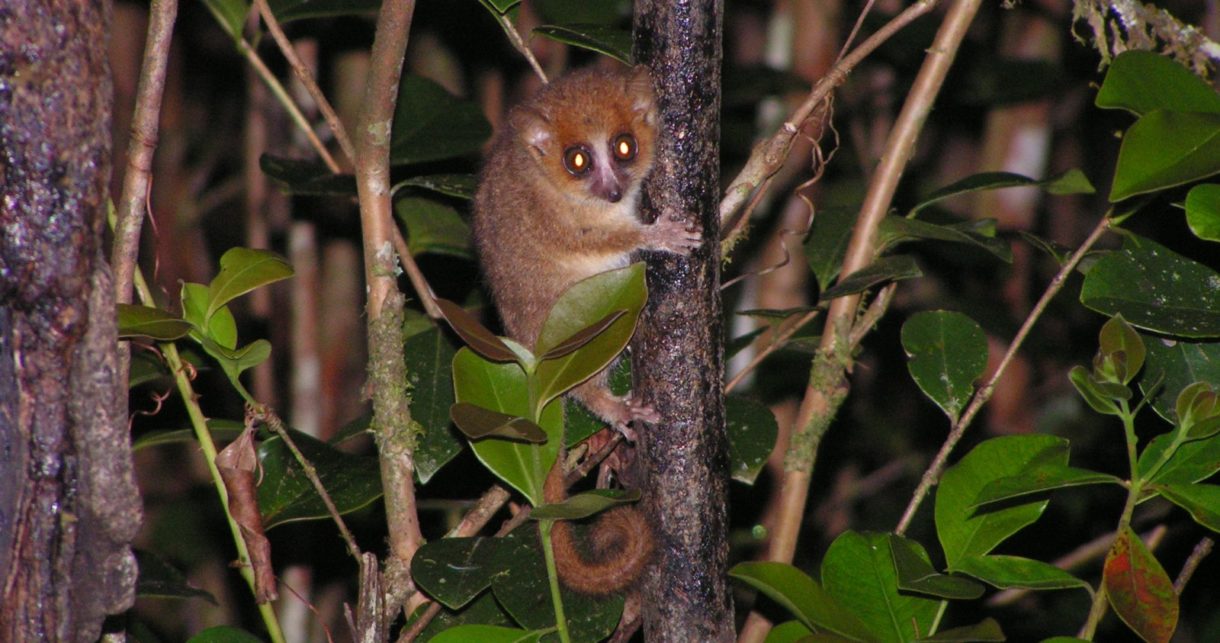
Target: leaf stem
x,y
552,574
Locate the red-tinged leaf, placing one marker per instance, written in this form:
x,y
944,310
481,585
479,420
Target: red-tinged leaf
x,y
1139,589
237,464
480,340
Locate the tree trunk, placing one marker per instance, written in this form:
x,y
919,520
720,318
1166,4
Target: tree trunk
x,y
677,350
68,502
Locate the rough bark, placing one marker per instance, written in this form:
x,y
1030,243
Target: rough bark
x,y
677,350
68,502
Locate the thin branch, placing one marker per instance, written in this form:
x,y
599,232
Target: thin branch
x,y
519,44
304,75
1201,550
423,289
277,426
781,340
983,394
769,155
145,123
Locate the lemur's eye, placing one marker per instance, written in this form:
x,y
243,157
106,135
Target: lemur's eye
x,y
577,160
624,147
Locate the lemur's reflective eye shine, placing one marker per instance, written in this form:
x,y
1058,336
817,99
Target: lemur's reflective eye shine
x,y
624,147
577,160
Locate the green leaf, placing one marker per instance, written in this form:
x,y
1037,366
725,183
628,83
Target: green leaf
x,y
460,186
429,361
309,178
286,495
1190,462
1203,211
790,632
1165,149
1156,289
1092,392
231,14
1196,411
583,505
603,39
962,533
916,574
1040,479
433,227
802,597
487,634
1072,181
499,7
1119,341
586,304
896,230
1142,81
224,634
583,336
752,433
1139,590
289,10
1174,365
1013,572
502,388
477,423
243,270
236,361
948,353
585,11
481,340
1201,500
455,570
483,610
159,579
220,328
153,323
883,270
858,571
826,245
430,124
988,630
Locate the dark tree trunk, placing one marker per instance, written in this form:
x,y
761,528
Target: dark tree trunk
x,y
68,502
677,350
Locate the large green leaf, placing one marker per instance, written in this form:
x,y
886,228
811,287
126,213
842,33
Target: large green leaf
x,y
1164,149
1072,181
1190,462
858,571
987,631
502,387
603,39
243,270
1010,572
916,574
488,634
461,186
962,532
896,230
802,596
583,505
153,323
286,495
1040,479
1139,590
221,327
289,10
752,433
429,361
433,227
455,570
948,352
311,178
1172,366
881,271
1141,81
584,305
430,124
827,242
1156,289
1203,211
1201,500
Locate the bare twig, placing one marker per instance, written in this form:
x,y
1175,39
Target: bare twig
x,y
266,414
307,80
781,339
1201,550
133,202
983,394
519,44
